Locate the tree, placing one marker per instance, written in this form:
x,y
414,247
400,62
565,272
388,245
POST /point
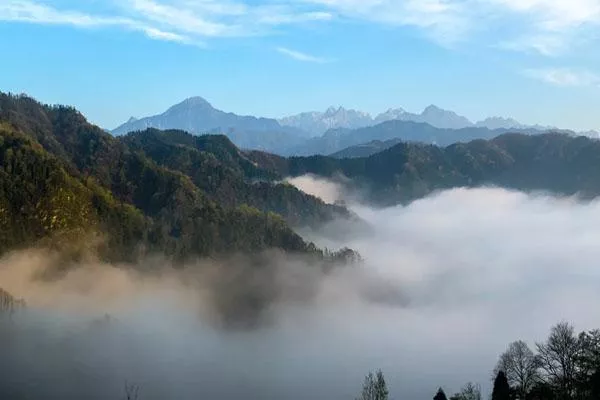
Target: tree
x,y
440,395
588,365
558,357
469,392
374,387
381,390
501,388
521,367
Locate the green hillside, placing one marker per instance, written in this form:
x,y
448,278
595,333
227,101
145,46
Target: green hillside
x,y
64,178
553,162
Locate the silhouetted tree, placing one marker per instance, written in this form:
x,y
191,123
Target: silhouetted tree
x,y
469,392
374,387
588,365
381,391
501,388
558,357
440,395
521,367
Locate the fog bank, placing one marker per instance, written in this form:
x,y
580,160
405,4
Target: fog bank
x,y
447,283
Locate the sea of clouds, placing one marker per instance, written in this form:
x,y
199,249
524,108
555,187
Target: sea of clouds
x,y
447,282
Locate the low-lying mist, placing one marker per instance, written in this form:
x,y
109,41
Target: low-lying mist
x,y
447,283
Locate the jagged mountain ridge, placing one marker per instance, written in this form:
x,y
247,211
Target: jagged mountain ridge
x,y
334,118
196,115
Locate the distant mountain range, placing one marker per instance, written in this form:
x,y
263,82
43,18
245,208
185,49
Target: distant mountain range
x,y
333,118
550,162
198,116
350,143
330,131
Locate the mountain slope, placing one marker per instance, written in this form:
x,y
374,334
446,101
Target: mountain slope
x,y
366,149
337,140
319,122
335,118
181,219
40,201
228,177
196,115
553,162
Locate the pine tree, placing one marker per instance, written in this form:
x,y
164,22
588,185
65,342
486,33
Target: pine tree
x,y
381,390
501,388
440,395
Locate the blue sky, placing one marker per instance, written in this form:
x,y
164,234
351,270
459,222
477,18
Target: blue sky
x,y
535,60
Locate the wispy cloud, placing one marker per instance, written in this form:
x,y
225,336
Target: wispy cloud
x,y
34,13
183,21
299,56
565,77
544,27
551,27
444,21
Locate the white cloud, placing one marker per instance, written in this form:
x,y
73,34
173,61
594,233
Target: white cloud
x,y
183,21
445,21
299,56
564,76
30,12
552,27
545,27
454,276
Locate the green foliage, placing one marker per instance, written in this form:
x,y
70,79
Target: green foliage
x,y
553,162
62,179
228,177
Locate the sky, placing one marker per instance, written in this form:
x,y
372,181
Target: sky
x,y
534,60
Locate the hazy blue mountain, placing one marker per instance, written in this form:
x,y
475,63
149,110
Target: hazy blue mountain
x,y
333,118
327,132
393,114
335,140
198,116
551,162
501,123
366,149
319,122
441,118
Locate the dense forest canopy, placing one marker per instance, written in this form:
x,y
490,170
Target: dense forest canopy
x,y
552,162
62,178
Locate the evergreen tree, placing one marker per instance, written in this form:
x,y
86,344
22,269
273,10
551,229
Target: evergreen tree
x,y
381,390
501,388
440,395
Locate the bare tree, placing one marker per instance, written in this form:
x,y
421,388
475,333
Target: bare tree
x,y
469,392
558,358
374,387
521,366
131,391
8,304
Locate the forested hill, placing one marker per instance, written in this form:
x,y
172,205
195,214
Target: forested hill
x,y
228,176
551,162
62,179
